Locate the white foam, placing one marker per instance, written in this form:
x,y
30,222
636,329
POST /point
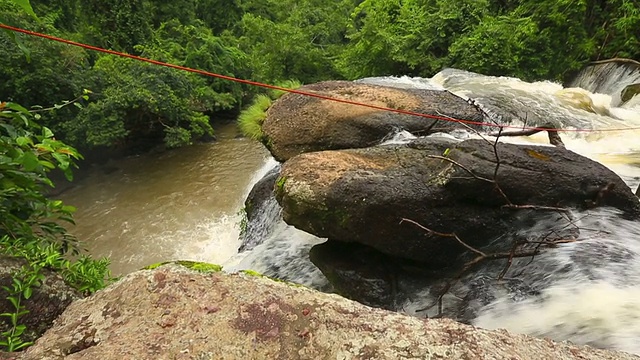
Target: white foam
x,y
598,314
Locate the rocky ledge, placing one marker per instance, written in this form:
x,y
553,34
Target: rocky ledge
x,y
172,312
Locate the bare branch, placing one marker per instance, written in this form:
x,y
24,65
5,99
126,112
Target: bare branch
x,y
451,235
552,132
461,167
535,207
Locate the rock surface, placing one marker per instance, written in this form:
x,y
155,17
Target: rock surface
x,y
175,313
362,195
45,305
296,124
629,92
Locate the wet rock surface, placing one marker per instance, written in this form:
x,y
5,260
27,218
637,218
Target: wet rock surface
x,y
362,195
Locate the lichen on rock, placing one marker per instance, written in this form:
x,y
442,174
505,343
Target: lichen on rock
x,y
172,312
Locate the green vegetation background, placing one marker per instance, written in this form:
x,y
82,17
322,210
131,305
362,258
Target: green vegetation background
x,y
135,105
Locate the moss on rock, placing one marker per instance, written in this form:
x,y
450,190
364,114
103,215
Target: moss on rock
x,y
193,265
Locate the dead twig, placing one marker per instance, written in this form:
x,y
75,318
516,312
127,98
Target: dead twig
x,y
481,256
552,132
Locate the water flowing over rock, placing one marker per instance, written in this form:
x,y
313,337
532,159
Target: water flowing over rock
x,y
175,313
296,124
262,215
361,195
611,77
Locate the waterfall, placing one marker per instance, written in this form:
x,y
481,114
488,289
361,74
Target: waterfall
x,y
609,77
586,291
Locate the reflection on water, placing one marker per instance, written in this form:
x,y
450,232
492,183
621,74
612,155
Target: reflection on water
x,y
181,204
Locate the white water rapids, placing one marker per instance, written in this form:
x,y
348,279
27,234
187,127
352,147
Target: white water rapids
x,y
587,292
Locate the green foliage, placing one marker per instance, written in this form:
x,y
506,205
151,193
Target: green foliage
x,y
194,265
497,46
27,153
250,119
21,288
293,39
288,84
195,46
138,102
116,24
31,223
410,37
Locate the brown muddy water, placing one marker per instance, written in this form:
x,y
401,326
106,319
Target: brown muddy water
x,y
181,204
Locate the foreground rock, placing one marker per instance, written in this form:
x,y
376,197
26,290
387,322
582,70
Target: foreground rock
x,y
174,313
296,124
45,305
362,195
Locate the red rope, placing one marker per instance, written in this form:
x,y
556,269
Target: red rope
x,y
300,92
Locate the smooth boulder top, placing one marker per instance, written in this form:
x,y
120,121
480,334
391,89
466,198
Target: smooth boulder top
x,y
361,195
176,313
297,124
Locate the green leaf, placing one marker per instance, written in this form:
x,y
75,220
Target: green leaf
x,y
22,345
16,107
26,6
27,292
30,161
47,164
23,141
14,301
19,330
46,132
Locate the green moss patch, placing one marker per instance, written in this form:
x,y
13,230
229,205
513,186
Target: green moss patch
x,y
193,265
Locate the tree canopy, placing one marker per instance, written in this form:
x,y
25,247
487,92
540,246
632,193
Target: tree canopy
x,y
279,40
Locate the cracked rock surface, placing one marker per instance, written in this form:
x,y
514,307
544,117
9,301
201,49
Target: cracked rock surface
x,y
175,313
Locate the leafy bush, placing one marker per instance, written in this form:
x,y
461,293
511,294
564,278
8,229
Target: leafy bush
x,y
31,224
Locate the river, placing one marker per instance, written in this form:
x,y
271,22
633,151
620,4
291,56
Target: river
x,y
185,203
181,204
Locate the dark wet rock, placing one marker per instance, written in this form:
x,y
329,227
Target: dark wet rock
x,y
262,211
358,272
629,92
362,195
45,305
297,124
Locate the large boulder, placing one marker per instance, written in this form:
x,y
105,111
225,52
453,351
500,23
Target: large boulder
x,y
362,195
175,313
296,123
46,303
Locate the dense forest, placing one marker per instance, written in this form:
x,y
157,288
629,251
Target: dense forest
x,y
121,103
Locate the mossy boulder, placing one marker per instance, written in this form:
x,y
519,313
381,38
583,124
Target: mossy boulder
x,y
296,123
362,195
